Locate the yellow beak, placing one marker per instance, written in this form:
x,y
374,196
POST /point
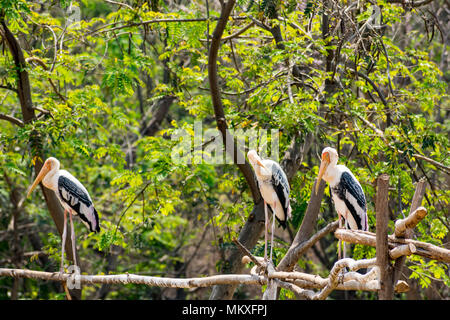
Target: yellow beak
x,y
45,169
260,164
323,167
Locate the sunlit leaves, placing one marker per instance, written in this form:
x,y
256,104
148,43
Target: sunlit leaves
x,y
110,71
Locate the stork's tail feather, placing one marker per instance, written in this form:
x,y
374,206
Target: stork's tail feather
x,y
289,214
97,224
282,223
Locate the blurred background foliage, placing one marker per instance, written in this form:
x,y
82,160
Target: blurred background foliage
x,y
111,81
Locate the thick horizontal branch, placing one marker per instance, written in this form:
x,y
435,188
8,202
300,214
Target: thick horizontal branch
x,y
409,222
136,279
369,239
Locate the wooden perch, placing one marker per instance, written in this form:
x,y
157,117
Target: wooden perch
x,y
336,281
409,222
334,277
299,292
349,280
401,286
404,250
271,290
295,281
423,249
416,202
137,279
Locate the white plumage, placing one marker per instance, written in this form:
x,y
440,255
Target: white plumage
x,y
274,187
347,194
72,195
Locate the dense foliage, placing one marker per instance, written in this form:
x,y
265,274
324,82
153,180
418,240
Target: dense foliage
x,y
113,82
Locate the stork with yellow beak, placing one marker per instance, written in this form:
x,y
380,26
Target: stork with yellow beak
x,y
347,194
72,195
274,187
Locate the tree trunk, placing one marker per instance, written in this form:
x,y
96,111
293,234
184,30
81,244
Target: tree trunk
x,y
386,291
26,103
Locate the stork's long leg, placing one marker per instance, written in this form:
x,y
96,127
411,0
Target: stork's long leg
x,y
340,241
273,229
265,230
346,227
63,241
72,232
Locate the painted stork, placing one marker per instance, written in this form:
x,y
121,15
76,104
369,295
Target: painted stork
x,y
274,187
73,197
347,193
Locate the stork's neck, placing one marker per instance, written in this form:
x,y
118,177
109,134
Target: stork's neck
x,y
261,173
332,173
51,178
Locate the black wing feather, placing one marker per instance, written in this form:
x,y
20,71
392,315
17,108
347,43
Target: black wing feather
x,y
349,184
354,188
74,197
281,187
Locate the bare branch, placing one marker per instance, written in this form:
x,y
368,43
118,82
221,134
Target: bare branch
x,y
405,250
334,277
135,279
11,119
300,243
247,252
228,139
298,249
415,203
424,249
121,4
409,222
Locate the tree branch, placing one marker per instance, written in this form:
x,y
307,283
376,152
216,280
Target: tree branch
x,y
424,249
135,279
415,203
409,222
228,139
299,247
11,119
